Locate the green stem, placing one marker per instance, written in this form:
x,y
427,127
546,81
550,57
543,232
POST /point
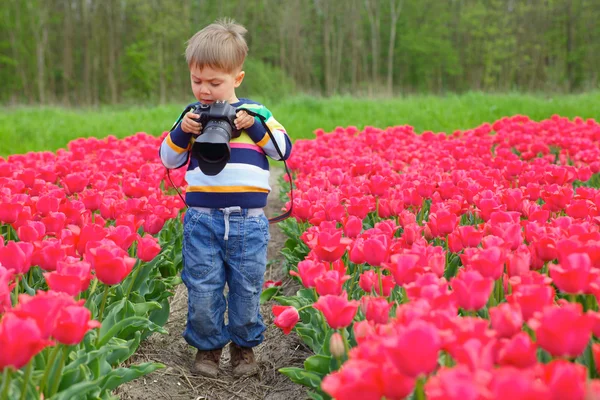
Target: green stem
x,y
304,307
380,282
104,297
346,344
92,290
420,389
325,326
15,294
8,233
49,366
30,278
134,277
6,378
61,365
26,379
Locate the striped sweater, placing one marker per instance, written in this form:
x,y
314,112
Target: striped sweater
x,y
244,181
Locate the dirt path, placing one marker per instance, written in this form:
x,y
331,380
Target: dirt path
x,y
176,382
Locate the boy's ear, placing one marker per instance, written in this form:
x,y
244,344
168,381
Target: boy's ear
x,y
239,78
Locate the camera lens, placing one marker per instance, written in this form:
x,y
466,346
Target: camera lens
x,y
211,148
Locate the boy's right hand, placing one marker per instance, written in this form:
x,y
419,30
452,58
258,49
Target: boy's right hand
x,y
188,124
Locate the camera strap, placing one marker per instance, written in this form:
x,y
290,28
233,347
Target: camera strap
x,y
288,213
262,119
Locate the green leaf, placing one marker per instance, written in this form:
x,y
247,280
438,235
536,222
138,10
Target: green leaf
x,y
267,294
161,316
120,376
302,377
121,349
142,309
77,391
452,267
309,336
318,364
135,323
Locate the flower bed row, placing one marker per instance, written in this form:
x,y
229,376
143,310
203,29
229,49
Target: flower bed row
x,y
460,266
89,253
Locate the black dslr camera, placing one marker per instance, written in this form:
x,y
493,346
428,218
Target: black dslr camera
x,y
211,149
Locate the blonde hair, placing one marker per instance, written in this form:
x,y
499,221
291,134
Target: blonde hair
x,y
220,45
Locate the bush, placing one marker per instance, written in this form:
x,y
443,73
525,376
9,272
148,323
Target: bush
x,y
265,82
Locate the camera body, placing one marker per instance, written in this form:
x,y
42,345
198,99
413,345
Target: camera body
x,y
219,113
211,149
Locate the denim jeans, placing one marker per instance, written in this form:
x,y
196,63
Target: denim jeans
x,y
221,247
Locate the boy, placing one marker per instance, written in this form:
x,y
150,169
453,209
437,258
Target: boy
x,y
225,231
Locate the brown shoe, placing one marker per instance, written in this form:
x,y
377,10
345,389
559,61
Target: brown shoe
x,y
207,363
242,360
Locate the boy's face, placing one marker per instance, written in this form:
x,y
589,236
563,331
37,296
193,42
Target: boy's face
x,y
210,85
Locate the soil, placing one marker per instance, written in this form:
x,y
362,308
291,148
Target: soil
x,y
177,382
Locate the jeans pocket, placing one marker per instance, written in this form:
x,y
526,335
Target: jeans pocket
x,y
262,225
199,252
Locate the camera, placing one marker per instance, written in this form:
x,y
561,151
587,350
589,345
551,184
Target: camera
x,y
211,149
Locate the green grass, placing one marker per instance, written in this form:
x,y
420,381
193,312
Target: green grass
x,y
24,129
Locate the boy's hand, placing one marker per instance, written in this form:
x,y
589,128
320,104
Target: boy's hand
x,y
243,120
188,124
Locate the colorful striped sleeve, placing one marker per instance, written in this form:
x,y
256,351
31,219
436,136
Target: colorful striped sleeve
x,y
174,149
261,137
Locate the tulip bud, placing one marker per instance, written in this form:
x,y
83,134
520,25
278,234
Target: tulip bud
x,y
336,345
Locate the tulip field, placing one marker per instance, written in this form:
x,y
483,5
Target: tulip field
x,y
89,253
432,266
460,266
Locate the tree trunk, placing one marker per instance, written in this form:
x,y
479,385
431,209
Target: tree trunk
x,y
395,11
372,7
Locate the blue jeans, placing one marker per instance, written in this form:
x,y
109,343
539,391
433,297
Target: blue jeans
x,y
224,247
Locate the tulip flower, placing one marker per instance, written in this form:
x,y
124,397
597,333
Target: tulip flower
x,y
286,318
147,248
472,290
20,340
337,310
72,324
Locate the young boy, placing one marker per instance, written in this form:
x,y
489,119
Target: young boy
x,y
225,232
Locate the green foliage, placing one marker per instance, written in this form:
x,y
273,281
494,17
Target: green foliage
x,y
51,128
265,82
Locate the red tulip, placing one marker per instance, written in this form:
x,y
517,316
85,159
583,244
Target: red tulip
x,y
331,246
16,256
338,311
572,275
6,287
506,319
70,277
110,262
43,308
471,290
330,282
148,248
308,271
375,250
20,340
414,350
513,383
563,331
376,309
520,351
72,324
357,379
31,231
286,318
457,383
565,380
352,226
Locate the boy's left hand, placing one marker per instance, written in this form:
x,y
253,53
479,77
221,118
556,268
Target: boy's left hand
x,y
243,120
